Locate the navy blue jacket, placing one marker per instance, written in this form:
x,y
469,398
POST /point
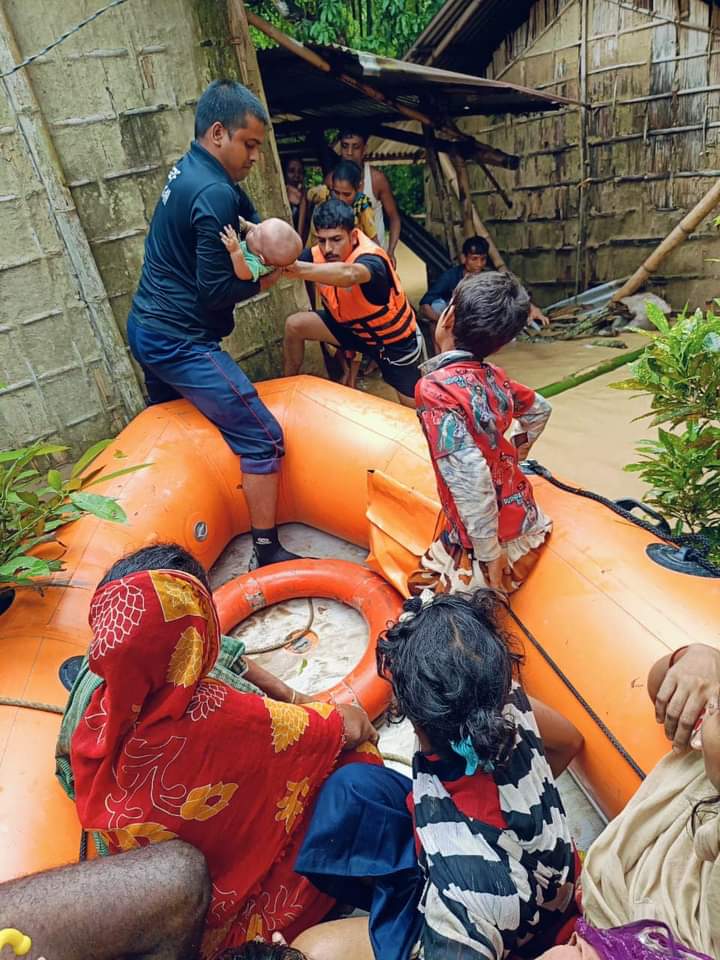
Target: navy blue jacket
x,y
187,287
444,286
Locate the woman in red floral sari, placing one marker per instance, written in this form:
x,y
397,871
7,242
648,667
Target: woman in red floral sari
x,y
165,751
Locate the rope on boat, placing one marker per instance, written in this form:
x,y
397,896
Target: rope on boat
x,y
696,542
292,637
578,696
31,705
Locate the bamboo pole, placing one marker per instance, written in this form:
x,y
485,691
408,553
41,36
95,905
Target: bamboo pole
x,y
575,379
446,207
495,157
464,195
479,227
681,232
584,158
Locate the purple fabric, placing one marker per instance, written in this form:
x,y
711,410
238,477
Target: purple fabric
x,y
643,940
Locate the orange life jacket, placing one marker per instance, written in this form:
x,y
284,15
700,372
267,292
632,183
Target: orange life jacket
x,y
375,324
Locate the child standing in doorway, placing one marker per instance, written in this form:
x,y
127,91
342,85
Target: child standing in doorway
x,y
492,528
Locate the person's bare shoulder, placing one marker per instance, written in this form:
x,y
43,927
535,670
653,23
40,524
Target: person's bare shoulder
x,y
379,181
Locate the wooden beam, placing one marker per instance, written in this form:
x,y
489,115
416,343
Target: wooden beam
x,y
464,194
447,213
478,226
471,150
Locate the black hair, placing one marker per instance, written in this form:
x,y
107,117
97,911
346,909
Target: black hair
x,y
451,667
476,245
354,131
229,103
334,213
348,170
159,556
257,950
702,809
490,310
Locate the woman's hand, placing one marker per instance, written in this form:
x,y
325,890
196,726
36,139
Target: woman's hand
x,y
685,690
358,728
497,572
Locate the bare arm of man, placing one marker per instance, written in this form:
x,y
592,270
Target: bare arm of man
x,y
148,904
383,191
333,274
562,740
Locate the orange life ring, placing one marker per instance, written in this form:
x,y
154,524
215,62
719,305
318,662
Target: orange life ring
x,y
358,587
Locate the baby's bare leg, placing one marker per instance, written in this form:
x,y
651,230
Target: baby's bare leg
x,y
149,904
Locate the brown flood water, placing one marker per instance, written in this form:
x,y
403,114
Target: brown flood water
x,y
592,432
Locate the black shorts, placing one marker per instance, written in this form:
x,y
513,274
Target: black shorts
x,y
398,362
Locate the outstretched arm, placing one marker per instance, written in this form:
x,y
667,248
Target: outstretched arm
x,y
333,274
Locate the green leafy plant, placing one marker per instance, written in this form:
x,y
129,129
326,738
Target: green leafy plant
x,y
387,27
680,372
34,505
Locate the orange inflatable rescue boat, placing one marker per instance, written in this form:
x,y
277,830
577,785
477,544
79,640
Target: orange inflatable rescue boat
x,y
594,614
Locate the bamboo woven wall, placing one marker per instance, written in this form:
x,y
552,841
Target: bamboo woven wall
x,y
116,104
598,189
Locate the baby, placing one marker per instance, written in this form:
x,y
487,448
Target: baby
x,y
267,245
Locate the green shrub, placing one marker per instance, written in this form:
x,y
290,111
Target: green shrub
x,y
680,372
34,506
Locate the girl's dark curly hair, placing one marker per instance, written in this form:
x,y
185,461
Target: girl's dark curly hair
x,y
451,667
490,310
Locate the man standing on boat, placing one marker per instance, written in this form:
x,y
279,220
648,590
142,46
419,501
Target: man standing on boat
x,y
364,306
187,294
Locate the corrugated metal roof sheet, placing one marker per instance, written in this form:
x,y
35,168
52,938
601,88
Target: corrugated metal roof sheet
x,y
294,89
483,24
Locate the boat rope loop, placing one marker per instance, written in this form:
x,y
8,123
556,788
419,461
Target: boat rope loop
x,y
292,637
578,696
698,545
31,705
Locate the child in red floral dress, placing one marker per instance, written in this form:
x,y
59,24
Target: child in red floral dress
x,y
493,528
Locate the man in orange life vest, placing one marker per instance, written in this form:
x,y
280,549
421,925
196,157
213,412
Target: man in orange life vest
x,y
364,306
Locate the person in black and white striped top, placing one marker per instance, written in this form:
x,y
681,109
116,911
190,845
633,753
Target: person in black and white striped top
x,y
477,843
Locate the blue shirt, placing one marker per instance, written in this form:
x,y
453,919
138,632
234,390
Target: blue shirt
x,y
444,286
187,287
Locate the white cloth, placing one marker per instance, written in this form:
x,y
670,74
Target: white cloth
x,y
376,206
649,863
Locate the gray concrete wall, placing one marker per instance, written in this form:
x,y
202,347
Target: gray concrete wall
x,y
116,102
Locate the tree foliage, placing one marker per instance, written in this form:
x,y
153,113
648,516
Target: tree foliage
x,y
386,27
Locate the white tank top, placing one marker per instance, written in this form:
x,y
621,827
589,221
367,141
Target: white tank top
x,y
376,205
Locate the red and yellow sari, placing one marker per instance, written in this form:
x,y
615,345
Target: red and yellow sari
x,y
163,751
